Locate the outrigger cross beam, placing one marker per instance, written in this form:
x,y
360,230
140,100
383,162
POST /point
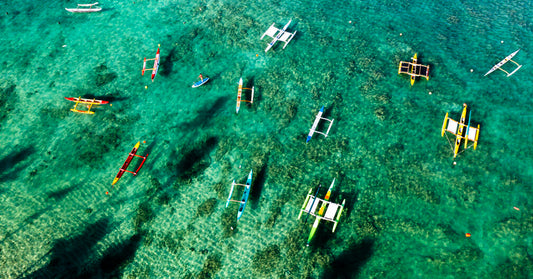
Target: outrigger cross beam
x,y
124,167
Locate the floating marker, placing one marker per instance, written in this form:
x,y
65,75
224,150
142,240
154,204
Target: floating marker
x,y
468,235
516,208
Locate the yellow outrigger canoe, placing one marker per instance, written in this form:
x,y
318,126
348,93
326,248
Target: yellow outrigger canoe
x,y
458,129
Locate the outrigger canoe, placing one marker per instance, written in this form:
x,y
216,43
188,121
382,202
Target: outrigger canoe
x,y
328,211
315,124
124,167
413,69
458,128
505,60
88,102
156,65
239,95
245,194
81,8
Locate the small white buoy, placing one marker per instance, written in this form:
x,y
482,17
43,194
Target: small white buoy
x,y
401,34
471,70
64,46
454,163
350,21
429,92
501,42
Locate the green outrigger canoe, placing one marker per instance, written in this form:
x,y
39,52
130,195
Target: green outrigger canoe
x,y
328,211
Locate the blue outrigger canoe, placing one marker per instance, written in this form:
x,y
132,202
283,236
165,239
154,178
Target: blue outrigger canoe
x,y
200,82
245,195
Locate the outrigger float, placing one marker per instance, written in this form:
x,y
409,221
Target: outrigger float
x,y
315,124
457,128
332,214
278,35
239,95
81,8
413,69
201,81
245,194
89,102
124,167
505,60
156,64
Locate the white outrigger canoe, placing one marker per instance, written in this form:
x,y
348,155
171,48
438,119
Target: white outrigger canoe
x,y
278,35
505,60
315,124
85,8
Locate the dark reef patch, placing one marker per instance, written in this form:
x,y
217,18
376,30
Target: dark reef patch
x,y
265,261
212,265
103,75
207,207
8,97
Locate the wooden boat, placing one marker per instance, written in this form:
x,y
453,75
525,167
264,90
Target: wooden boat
x,y
156,64
245,194
332,214
413,69
81,8
315,124
89,102
457,128
124,167
201,82
505,60
278,35
239,96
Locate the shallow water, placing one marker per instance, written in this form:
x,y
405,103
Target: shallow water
x,y
408,207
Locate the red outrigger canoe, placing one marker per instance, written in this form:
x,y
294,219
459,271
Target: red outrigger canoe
x,y
88,102
156,65
128,161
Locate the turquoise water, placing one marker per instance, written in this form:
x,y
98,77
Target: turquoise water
x,y
408,207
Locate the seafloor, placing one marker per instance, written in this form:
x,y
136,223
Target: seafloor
x,y
408,208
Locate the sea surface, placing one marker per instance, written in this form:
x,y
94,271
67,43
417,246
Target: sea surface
x,y
410,212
